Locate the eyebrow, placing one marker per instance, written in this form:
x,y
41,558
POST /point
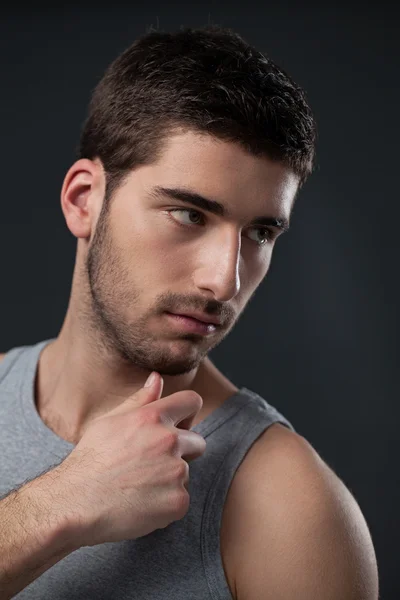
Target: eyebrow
x,y
215,207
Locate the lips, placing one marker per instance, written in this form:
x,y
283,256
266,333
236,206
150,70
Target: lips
x,y
190,324
202,318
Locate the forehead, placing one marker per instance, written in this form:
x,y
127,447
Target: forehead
x,y
225,171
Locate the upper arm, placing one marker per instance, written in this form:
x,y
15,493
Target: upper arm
x,y
303,533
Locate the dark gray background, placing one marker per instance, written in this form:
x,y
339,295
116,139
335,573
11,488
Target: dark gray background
x,y
320,339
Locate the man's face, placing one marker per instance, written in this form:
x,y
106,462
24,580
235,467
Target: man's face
x,y
153,254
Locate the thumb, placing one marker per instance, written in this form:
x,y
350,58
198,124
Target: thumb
x,y
153,386
151,390
143,396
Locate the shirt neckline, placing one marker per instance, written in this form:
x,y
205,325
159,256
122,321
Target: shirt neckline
x,y
212,421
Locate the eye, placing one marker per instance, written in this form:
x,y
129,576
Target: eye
x,y
267,233
191,212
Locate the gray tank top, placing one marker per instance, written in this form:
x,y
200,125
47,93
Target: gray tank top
x,y
180,562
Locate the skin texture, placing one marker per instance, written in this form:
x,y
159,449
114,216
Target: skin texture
x,y
301,530
137,261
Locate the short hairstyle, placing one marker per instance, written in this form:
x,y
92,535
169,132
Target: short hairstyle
x,y
208,80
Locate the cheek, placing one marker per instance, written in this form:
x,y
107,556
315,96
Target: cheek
x,y
254,264
174,261
154,254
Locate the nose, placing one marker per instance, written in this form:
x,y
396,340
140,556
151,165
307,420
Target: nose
x,y
219,270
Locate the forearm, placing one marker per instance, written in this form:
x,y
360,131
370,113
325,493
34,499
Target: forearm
x,y
33,537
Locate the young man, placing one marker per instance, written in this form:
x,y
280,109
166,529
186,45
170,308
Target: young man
x,y
191,158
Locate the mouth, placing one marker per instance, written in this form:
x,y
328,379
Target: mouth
x,y
199,316
191,324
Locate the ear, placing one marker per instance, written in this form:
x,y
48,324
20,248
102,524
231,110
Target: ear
x,y
82,195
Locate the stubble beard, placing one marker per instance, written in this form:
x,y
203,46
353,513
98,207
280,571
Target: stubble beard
x,y
108,288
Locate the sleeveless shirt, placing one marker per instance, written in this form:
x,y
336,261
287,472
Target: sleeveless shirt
x,y
180,562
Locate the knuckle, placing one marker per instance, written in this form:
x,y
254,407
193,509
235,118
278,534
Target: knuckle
x,y
169,440
198,400
148,416
181,470
192,398
180,503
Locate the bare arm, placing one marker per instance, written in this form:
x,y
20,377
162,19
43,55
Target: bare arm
x,y
33,535
300,528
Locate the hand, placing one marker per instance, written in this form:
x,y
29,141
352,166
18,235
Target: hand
x,y
128,474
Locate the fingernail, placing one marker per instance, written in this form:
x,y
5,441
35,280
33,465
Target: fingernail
x,y
151,379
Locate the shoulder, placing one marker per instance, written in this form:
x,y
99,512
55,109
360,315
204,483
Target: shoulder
x,y
300,528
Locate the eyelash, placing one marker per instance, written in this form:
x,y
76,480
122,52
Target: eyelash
x,y
271,232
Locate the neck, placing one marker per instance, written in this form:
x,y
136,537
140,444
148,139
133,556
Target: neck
x,y
78,379
81,377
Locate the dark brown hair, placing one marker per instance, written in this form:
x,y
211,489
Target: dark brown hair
x,y
208,80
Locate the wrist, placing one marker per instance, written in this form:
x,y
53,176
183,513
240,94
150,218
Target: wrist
x,y
50,516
